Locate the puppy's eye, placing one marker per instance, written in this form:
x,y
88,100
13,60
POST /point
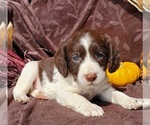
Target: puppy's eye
x,y
100,55
75,58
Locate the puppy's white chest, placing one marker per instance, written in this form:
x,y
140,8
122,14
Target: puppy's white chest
x,y
93,90
89,93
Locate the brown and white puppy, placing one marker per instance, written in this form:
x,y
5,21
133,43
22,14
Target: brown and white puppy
x,y
75,75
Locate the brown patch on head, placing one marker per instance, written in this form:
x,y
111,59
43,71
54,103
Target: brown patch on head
x,y
104,52
70,56
75,53
114,58
65,58
99,49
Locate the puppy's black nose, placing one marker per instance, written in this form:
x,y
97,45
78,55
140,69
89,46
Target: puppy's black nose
x,y
91,77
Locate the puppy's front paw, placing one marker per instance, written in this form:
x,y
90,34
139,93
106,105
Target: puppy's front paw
x,y
38,94
22,98
90,110
137,103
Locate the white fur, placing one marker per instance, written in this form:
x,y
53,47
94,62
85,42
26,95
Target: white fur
x,y
93,66
74,94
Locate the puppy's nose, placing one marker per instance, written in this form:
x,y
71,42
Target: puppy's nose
x,y
91,77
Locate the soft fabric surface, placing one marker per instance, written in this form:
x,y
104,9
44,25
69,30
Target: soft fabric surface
x,y
41,25
12,63
48,112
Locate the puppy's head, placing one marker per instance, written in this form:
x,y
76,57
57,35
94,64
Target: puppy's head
x,y
86,55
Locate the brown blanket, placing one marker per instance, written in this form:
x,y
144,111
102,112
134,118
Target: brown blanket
x,y
48,112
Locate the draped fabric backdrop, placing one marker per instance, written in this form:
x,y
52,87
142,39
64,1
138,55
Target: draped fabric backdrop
x,y
41,25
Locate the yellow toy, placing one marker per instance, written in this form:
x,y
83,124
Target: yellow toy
x,y
127,73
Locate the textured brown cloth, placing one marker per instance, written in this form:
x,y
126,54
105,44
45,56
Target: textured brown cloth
x,y
45,24
48,112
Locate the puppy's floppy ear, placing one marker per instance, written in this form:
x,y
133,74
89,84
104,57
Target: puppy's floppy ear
x,y
60,61
113,58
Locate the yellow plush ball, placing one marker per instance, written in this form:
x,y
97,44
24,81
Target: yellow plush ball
x,y
127,73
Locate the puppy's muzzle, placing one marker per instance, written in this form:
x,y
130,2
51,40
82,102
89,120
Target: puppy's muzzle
x,y
91,77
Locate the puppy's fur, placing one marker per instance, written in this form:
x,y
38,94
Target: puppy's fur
x,y
75,75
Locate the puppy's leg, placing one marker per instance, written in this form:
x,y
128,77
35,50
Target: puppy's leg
x,y
116,97
39,94
79,104
47,91
25,82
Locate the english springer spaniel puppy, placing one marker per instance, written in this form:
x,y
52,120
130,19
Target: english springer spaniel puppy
x,y
75,75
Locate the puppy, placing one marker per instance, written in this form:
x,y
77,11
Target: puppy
x,y
75,75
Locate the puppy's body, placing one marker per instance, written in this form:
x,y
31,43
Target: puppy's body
x,y
75,75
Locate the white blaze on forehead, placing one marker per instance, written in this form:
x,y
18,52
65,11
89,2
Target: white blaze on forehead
x,y
86,41
89,65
